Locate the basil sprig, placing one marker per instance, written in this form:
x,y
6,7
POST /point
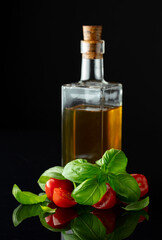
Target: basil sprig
x,y
92,178
90,181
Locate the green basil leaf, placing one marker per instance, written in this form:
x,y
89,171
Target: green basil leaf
x,y
87,226
27,198
46,209
23,212
113,161
125,186
89,192
79,170
54,172
138,205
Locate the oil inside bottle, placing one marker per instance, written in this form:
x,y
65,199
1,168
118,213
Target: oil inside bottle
x,y
88,131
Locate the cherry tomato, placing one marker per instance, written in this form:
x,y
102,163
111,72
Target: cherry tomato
x,y
62,198
55,183
108,200
142,183
61,218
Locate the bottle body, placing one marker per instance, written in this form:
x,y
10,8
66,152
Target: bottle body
x,y
91,119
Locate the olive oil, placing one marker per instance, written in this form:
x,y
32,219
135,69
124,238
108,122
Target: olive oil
x,y
88,131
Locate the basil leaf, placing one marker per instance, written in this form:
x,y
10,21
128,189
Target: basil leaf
x,y
46,209
125,186
54,172
79,170
23,212
138,205
89,192
113,161
87,226
24,197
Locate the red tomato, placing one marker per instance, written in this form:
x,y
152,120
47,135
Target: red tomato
x,y
62,198
61,218
55,183
142,183
108,200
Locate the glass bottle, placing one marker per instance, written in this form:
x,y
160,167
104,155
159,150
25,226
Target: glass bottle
x,y
92,107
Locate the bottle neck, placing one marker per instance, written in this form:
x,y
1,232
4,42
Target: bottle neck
x,y
92,69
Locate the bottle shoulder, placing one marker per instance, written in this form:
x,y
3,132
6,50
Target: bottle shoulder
x,y
94,85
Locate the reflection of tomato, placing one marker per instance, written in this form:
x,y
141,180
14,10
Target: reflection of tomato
x,y
142,183
55,183
61,218
108,200
142,218
62,198
107,217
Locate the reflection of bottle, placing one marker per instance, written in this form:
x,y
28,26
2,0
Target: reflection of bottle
x,y
91,108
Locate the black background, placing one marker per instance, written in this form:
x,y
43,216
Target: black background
x,y
41,51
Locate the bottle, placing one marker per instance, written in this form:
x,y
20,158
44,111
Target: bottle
x,y
92,107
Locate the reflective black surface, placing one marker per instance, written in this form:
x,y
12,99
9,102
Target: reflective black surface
x,y
85,222
25,155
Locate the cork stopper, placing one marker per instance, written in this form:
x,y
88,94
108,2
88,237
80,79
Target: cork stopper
x,y
92,46
92,33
